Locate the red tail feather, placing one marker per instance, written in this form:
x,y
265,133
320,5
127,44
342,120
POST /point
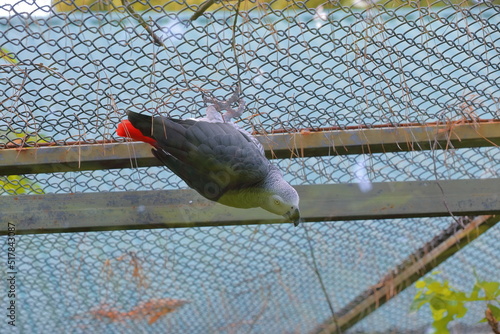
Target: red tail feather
x,y
127,130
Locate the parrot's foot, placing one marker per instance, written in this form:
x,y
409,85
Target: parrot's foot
x,y
216,107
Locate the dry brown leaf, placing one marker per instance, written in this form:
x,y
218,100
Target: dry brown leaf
x,y
150,310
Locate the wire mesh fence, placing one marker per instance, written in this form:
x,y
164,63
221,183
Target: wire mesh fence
x,y
235,279
72,74
71,70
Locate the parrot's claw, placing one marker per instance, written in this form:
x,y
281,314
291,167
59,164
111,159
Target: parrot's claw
x,y
231,113
213,115
215,105
236,95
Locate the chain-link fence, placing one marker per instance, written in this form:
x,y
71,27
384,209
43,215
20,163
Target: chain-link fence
x,y
71,69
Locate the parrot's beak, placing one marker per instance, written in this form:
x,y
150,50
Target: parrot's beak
x,y
293,216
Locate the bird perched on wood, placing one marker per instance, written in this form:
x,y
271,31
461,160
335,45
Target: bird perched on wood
x,y
217,158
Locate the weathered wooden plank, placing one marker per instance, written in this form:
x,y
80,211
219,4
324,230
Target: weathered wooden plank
x,y
408,272
47,159
185,208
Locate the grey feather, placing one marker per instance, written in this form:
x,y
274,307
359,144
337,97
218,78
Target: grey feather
x,y
221,161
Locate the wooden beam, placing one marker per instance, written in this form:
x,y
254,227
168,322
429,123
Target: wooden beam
x,y
382,139
441,247
78,157
185,208
48,159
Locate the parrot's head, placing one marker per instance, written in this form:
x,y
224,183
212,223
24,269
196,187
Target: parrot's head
x,y
284,203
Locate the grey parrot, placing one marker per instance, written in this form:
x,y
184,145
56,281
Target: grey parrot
x,y
217,158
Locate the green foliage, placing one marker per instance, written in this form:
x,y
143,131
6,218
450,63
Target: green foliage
x,y
8,56
447,303
179,6
17,185
20,184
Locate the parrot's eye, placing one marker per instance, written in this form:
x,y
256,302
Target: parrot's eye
x,y
277,202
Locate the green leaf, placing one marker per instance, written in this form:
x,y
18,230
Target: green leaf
x,y
458,309
447,303
461,296
438,314
495,311
18,184
441,325
420,284
435,286
438,304
7,56
419,301
442,289
474,295
490,289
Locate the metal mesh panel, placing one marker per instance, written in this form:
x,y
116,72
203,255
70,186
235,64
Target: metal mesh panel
x,y
458,270
76,72
236,276
69,73
237,279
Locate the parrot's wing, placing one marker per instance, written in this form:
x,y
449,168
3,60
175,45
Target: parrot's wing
x,y
254,140
210,157
221,161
